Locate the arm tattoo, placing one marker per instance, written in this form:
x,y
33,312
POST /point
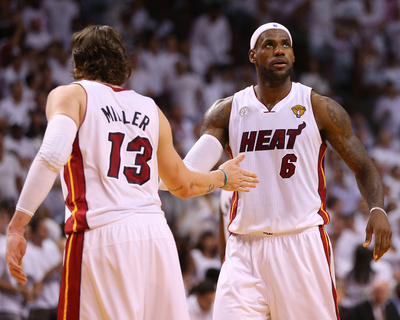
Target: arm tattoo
x,y
179,188
351,152
338,116
211,187
217,117
191,185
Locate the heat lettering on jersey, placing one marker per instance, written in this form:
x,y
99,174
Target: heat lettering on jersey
x,y
268,140
137,119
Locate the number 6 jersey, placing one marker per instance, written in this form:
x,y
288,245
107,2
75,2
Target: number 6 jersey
x,y
115,152
284,147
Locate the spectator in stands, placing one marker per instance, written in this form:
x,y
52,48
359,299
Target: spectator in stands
x,y
201,300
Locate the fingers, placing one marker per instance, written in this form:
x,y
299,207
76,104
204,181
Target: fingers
x,y
252,180
20,277
16,271
242,186
382,245
378,225
250,174
239,179
238,158
368,238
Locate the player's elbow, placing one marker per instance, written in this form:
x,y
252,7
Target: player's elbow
x,y
183,191
184,195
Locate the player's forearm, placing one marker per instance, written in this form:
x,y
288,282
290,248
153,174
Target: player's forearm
x,y
370,185
197,184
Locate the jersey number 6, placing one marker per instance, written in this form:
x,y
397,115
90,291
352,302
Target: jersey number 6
x,y
142,146
287,167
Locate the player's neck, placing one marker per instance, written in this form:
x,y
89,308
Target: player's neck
x,y
110,85
271,95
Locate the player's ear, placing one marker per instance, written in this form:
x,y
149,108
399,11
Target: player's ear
x,y
252,56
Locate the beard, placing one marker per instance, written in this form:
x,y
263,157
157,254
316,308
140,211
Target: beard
x,y
272,77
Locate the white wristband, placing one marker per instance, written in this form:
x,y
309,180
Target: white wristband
x,y
378,208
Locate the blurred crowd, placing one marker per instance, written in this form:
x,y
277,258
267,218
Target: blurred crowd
x,y
186,55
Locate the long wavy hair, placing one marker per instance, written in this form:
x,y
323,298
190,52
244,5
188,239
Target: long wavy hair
x,y
98,53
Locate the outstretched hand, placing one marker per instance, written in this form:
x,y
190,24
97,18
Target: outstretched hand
x,y
16,247
378,224
239,179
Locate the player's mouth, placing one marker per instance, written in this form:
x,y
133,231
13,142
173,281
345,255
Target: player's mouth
x,y
280,63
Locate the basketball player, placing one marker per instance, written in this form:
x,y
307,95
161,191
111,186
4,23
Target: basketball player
x,y
120,259
278,259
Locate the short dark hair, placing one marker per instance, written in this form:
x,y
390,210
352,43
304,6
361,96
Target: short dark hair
x,y
98,53
204,287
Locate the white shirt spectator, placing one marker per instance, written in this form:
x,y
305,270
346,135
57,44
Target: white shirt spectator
x,y
212,31
61,69
385,152
195,311
151,60
30,12
37,262
12,303
37,37
16,112
185,90
15,72
24,149
60,14
10,172
320,25
344,251
141,79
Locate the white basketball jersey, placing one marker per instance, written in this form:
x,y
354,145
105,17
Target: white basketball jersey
x,y
284,147
112,171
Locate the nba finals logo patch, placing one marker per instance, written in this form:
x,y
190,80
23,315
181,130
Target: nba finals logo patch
x,y
298,110
243,112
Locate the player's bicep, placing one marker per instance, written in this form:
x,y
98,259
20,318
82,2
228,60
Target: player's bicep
x,y
335,127
216,120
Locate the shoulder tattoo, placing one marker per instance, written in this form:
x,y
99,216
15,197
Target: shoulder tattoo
x,y
217,116
338,116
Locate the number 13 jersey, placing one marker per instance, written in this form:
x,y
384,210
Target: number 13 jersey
x,y
115,152
284,147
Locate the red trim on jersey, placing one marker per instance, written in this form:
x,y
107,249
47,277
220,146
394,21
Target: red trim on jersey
x,y
69,299
76,200
322,185
235,197
327,249
115,89
233,211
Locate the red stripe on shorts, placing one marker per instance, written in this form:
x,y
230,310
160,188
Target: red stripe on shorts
x,y
68,303
327,249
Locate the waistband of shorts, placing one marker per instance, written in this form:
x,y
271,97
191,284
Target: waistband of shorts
x,y
278,234
136,219
142,218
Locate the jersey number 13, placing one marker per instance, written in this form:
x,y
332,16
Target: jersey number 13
x,y
143,149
